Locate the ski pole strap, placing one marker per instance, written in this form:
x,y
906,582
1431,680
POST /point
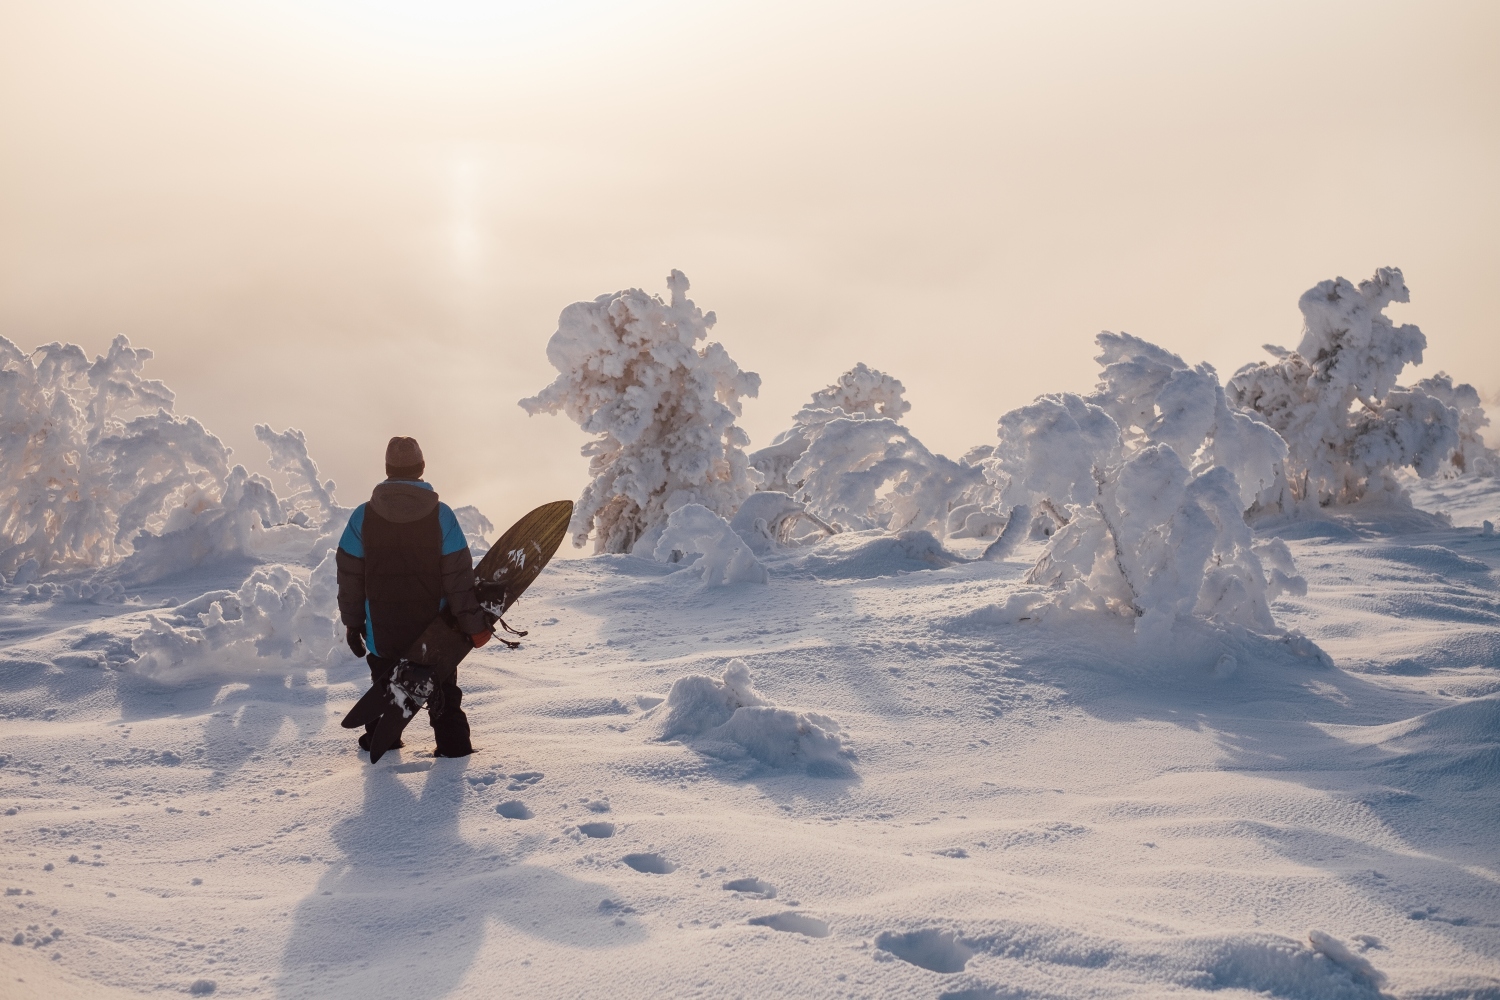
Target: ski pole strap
x,y
511,630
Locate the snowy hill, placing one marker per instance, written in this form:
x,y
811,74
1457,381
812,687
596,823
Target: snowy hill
x,y
931,799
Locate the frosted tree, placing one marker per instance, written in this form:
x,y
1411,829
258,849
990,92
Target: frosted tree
x,y
861,392
91,455
289,456
1335,400
847,460
873,473
1472,454
1139,485
1157,398
631,372
97,472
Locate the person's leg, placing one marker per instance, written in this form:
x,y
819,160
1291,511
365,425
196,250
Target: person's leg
x,y
380,675
449,723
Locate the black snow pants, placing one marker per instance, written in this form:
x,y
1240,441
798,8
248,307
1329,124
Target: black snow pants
x,y
444,709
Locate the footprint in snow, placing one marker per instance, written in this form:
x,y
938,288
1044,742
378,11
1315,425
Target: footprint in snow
x,y
976,993
651,864
930,948
753,886
514,809
597,829
523,780
794,923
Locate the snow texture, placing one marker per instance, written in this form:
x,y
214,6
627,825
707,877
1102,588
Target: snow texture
x,y
663,409
727,718
723,556
275,625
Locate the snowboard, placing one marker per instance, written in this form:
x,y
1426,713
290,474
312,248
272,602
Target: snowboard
x,y
506,570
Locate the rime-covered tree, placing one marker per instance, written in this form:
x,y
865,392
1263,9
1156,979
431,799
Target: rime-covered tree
x,y
861,392
1335,400
1140,485
631,372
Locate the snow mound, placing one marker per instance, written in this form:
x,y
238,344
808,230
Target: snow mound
x,y
663,409
864,555
272,625
724,558
727,718
1459,742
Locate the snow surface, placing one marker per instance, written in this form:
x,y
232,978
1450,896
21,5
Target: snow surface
x,y
1218,711
1049,808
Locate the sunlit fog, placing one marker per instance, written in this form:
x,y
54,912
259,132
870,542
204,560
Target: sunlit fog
x,y
363,219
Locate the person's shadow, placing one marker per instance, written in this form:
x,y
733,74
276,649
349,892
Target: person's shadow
x,y
407,908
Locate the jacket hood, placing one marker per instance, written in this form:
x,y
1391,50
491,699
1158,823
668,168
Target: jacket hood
x,y
403,502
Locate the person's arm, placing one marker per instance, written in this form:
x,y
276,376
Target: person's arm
x,y
350,559
458,579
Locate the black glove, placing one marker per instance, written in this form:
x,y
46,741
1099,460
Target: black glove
x,y
356,641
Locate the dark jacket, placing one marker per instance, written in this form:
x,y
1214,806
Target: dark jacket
x,y
402,560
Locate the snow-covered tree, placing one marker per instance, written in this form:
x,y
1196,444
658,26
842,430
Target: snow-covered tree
x,y
91,456
873,473
97,472
1335,400
1157,398
848,461
630,371
1140,484
861,392
1472,455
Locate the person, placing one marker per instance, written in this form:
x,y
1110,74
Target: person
x,y
403,561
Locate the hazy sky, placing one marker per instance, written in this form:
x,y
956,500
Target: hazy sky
x,y
362,217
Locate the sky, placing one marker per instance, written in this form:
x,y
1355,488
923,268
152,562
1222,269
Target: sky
x,y
363,218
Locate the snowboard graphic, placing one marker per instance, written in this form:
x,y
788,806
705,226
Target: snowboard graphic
x,y
506,570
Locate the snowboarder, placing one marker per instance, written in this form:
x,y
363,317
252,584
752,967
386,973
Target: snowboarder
x,y
403,560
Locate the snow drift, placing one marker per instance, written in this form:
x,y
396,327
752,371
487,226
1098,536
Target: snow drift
x,y
273,625
729,719
664,409
723,556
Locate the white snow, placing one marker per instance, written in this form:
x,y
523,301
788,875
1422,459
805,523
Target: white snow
x,y
728,719
1138,746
